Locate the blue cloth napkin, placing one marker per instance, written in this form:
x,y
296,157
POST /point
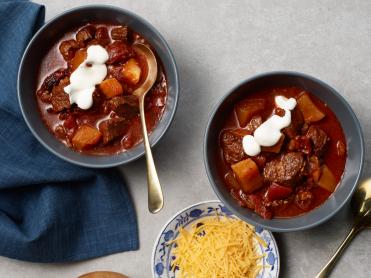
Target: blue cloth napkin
x,y
50,210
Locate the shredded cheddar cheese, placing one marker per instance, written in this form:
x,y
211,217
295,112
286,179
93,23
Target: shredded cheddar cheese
x,y
217,247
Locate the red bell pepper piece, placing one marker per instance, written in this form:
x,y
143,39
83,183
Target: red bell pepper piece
x,y
277,192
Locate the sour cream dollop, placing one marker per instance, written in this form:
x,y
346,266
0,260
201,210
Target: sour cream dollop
x,y
269,133
89,74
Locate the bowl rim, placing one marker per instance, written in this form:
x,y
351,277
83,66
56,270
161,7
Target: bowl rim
x,y
247,218
171,60
177,213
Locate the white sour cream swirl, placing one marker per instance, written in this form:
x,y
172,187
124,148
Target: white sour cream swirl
x,y
89,74
269,133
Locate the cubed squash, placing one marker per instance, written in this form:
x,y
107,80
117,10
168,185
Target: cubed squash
x,y
310,111
247,108
111,87
275,148
78,59
327,180
248,175
86,137
131,72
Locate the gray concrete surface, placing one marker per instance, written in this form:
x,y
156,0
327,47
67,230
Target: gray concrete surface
x,y
216,45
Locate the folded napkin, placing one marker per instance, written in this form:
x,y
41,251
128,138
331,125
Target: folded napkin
x,y
50,210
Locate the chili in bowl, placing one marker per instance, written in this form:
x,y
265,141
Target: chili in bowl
x,y
77,80
284,151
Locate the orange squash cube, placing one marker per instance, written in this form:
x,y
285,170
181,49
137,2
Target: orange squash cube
x,y
131,72
86,137
248,175
248,108
310,111
78,59
111,88
327,179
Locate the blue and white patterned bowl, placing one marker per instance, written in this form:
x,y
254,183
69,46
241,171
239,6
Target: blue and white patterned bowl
x,y
162,252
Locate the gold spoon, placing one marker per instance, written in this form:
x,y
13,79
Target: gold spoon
x,y
361,206
155,197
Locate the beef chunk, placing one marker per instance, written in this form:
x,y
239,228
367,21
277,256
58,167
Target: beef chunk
x,y
98,101
288,169
115,71
124,106
314,169
303,199
92,42
255,202
261,159
113,128
120,33
297,122
59,99
319,139
301,144
60,132
231,141
53,79
254,123
119,51
68,49
102,36
44,96
85,34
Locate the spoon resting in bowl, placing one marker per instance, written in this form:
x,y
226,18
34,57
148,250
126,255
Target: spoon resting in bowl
x,y
155,196
361,206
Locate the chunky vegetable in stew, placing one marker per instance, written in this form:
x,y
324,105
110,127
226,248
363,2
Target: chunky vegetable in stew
x,y
296,174
86,85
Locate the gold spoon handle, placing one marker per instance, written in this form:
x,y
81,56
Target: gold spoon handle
x,y
325,272
155,197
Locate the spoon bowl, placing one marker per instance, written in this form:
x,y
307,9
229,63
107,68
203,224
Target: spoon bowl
x,y
151,76
361,206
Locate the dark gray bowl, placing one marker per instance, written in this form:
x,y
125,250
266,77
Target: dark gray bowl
x,y
44,40
353,135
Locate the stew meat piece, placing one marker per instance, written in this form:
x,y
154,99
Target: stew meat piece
x,y
286,170
319,139
112,129
254,123
53,79
120,33
59,99
231,142
119,51
297,122
124,106
85,34
102,36
68,49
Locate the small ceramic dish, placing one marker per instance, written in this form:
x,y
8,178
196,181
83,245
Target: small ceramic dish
x,y
162,252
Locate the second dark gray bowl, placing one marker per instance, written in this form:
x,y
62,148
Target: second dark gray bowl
x,y
353,135
46,37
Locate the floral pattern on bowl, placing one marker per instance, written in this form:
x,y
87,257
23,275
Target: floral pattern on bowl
x,y
162,255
